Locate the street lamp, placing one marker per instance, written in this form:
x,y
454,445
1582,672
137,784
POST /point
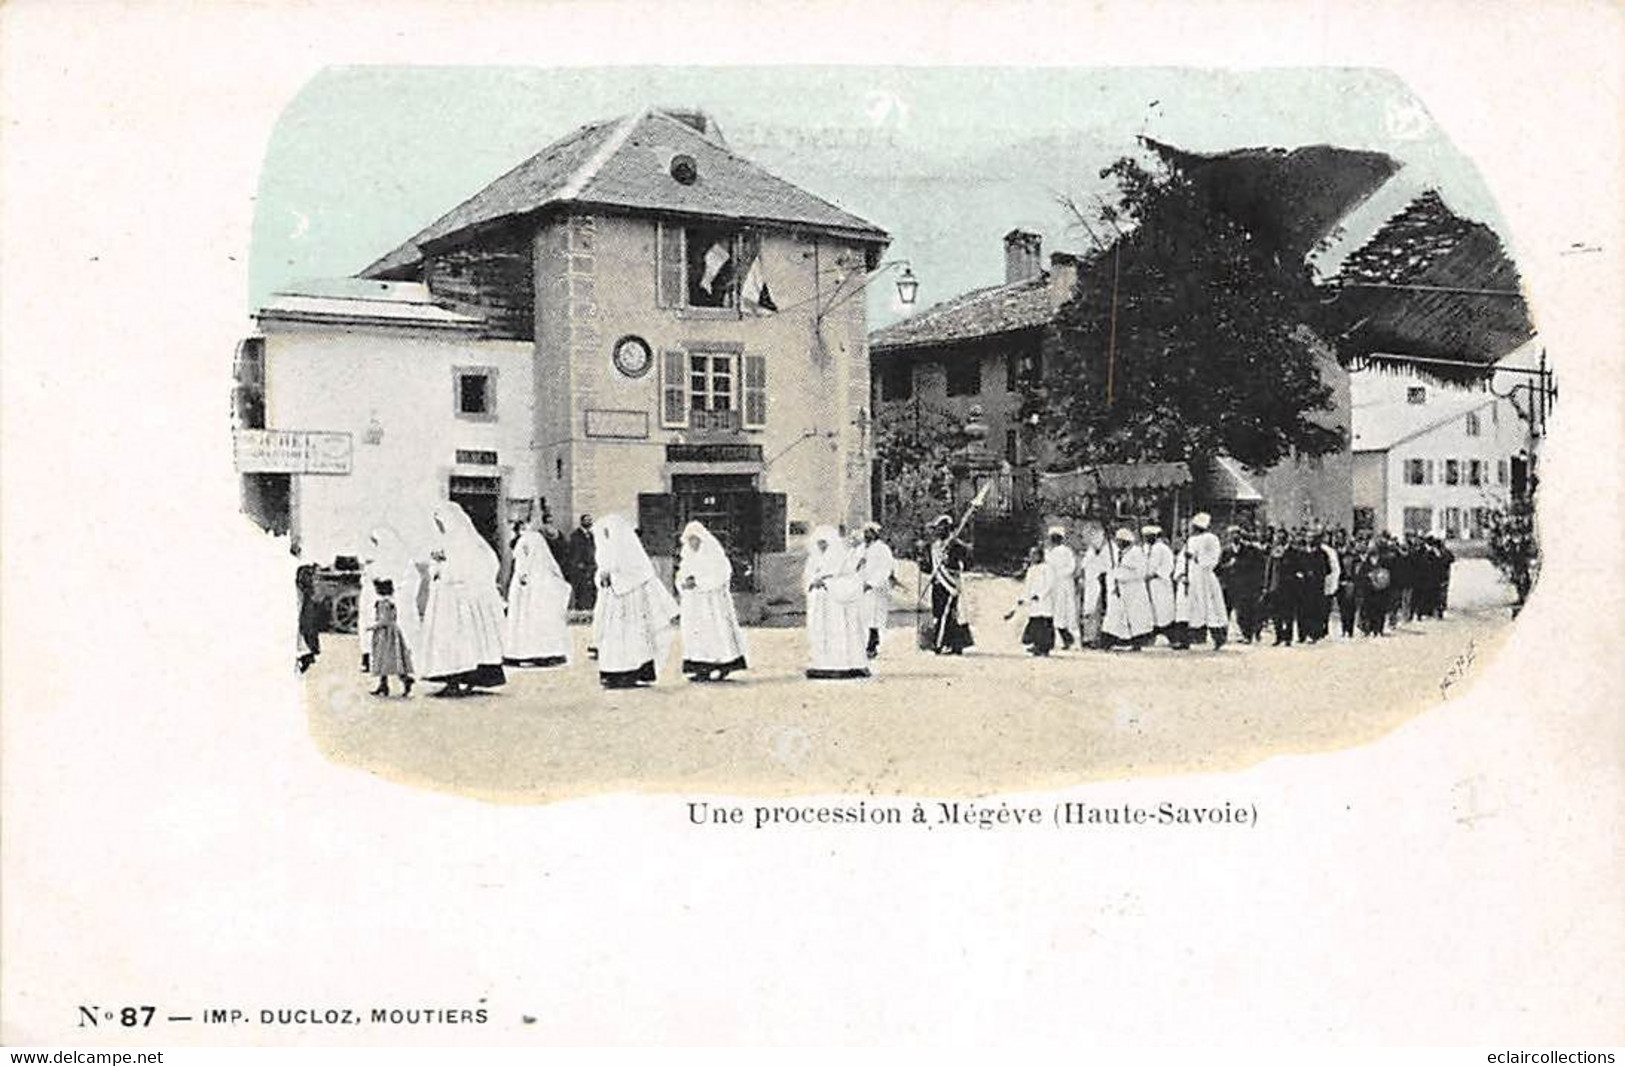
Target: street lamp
x,y
908,286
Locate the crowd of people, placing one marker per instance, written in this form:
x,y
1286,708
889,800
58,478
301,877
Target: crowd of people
x,y
456,617
1128,590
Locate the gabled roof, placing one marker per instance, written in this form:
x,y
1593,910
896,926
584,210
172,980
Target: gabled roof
x,y
1379,427
1293,198
979,313
625,164
1434,284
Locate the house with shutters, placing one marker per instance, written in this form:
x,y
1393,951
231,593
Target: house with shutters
x,y
1435,458
635,320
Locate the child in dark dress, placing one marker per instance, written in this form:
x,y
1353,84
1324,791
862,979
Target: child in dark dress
x,y
389,654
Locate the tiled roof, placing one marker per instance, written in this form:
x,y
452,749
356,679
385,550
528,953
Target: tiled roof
x,y
978,313
625,163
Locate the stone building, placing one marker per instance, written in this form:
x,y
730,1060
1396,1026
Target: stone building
x,y
644,323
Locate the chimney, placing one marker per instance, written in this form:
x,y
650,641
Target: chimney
x,y
1063,278
1023,255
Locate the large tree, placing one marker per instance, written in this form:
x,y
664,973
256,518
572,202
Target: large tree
x,y
1190,334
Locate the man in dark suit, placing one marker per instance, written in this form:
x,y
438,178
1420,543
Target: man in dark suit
x,y
583,566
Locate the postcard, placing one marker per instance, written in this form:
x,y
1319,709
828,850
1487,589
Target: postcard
x,y
768,524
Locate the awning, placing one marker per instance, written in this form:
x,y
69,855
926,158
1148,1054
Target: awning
x,y
1113,477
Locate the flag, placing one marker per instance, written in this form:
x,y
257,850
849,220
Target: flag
x,y
716,257
981,494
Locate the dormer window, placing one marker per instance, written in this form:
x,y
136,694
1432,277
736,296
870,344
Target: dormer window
x,y
1416,394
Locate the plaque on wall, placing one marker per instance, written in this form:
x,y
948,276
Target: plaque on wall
x,y
618,425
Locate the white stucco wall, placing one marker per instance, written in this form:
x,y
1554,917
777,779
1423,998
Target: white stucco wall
x,y
325,378
1502,434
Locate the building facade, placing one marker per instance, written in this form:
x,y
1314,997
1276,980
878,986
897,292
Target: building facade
x,y
661,329
1434,459
989,348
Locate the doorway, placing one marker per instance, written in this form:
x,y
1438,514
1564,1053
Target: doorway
x,y
728,505
481,497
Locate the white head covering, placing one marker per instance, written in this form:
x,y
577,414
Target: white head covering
x,y
1057,531
466,551
389,553
1125,535
1201,520
619,552
830,561
708,564
539,560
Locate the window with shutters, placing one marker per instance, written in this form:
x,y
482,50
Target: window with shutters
x,y
715,267
1475,472
674,389
1452,472
1452,523
755,391
1500,471
713,392
1474,427
1415,472
1418,519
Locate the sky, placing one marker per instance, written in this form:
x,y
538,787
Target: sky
x,y
947,160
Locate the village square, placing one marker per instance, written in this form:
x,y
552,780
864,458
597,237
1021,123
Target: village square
x,y
644,466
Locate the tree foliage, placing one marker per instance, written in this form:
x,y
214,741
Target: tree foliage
x,y
1187,336
914,444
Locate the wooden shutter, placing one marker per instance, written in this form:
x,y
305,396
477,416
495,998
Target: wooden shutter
x,y
773,509
674,389
671,284
755,391
657,522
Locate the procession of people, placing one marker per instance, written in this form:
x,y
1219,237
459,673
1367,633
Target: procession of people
x,y
447,618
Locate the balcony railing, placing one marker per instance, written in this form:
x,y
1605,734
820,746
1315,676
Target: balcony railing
x,y
713,421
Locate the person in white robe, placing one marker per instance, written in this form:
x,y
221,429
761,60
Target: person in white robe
x,y
462,624
1206,612
1063,565
388,558
1159,583
1038,635
713,643
636,615
1093,568
876,566
1128,605
836,628
537,631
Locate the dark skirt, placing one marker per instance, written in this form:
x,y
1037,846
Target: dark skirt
x,y
545,661
1039,635
699,667
948,633
644,674
486,675
838,675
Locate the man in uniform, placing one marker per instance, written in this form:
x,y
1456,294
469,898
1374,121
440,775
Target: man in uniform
x,y
945,560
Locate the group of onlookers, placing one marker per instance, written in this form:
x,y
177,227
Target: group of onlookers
x,y
1291,581
1130,588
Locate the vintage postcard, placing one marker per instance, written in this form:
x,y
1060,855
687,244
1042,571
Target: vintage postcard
x,y
596,543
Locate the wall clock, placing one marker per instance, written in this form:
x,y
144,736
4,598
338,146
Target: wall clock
x,y
632,356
